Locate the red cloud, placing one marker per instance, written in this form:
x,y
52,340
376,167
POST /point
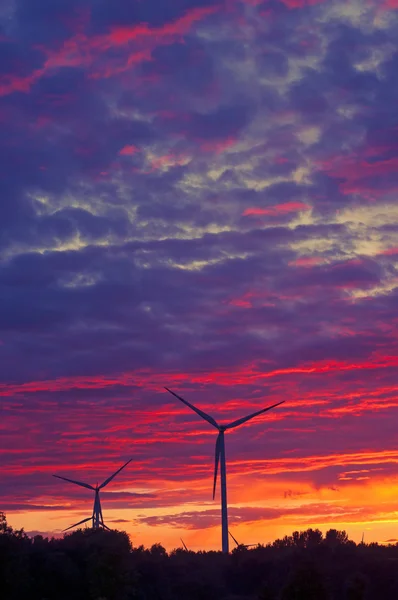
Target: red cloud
x,y
307,261
279,209
124,35
366,163
244,376
81,50
390,251
353,169
109,69
128,150
217,146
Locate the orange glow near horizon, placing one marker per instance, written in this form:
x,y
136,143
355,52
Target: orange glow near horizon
x,y
369,507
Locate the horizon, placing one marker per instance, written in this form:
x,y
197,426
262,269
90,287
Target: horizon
x,y
182,546
201,195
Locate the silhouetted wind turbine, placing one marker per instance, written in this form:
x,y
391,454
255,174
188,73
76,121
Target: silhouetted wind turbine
x,y
241,545
96,517
220,457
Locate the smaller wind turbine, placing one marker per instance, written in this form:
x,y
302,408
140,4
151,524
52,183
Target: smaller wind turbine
x,y
97,518
241,546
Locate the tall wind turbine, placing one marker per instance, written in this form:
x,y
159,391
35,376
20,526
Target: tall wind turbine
x,y
220,457
96,517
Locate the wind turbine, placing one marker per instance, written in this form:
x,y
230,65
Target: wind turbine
x,y
96,517
241,545
220,457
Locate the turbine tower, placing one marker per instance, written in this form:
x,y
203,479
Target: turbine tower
x,y
96,517
220,458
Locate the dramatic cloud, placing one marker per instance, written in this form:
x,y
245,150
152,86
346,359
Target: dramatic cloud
x,y
199,194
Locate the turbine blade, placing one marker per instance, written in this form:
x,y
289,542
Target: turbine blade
x,y
183,543
216,461
236,542
199,412
85,485
244,419
79,523
114,475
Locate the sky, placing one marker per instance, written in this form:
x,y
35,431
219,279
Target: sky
x,y
199,194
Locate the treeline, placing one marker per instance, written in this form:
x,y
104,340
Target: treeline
x,y
103,565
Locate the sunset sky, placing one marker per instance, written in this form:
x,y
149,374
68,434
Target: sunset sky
x,y
199,194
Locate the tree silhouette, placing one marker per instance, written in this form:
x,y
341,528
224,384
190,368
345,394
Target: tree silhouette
x,y
335,538
305,583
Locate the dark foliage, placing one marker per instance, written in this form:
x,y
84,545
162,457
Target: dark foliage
x,y
103,565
